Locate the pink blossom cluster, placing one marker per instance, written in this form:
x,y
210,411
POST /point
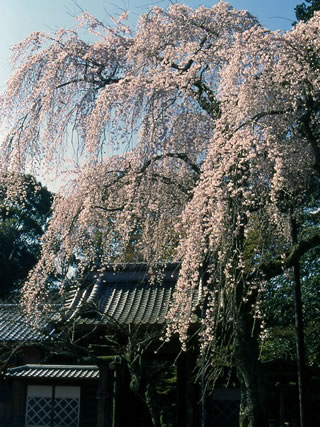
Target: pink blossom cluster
x,y
211,120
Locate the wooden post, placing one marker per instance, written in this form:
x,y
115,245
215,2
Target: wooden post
x,y
19,403
300,347
186,394
105,396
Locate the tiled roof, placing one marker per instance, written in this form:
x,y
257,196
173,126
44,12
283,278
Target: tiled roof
x,y
14,326
126,296
55,371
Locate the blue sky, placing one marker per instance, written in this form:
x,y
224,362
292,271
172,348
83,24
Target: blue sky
x,y
18,18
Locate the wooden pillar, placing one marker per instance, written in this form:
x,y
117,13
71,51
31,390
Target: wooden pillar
x,y
105,396
187,398
6,401
282,407
19,403
116,394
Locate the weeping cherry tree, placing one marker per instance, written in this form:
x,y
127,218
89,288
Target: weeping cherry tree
x,y
212,125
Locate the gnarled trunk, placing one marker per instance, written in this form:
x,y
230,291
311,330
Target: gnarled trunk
x,y
250,372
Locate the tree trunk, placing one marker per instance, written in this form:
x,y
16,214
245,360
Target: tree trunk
x,y
250,372
152,404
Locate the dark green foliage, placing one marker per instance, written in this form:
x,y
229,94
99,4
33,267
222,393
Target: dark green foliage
x,y
22,223
305,12
279,307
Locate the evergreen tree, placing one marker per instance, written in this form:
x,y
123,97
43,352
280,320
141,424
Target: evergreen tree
x,y
304,12
23,219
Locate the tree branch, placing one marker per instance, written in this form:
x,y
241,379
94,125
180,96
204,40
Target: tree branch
x,y
259,116
276,267
180,156
207,100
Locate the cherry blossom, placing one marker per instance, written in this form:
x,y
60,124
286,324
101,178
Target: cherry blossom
x,y
213,125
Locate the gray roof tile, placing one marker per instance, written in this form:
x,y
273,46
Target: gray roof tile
x,y
14,326
123,296
55,371
126,295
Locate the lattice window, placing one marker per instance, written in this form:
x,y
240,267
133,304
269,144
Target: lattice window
x,y
38,411
53,406
225,413
222,408
66,412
